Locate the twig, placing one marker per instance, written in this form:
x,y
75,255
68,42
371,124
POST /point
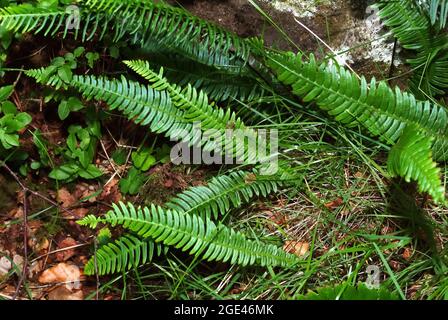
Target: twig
x,y
32,192
25,244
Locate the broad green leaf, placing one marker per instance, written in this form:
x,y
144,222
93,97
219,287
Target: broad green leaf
x,y
64,172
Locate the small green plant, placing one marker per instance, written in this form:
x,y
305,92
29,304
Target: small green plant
x,y
349,292
12,121
79,154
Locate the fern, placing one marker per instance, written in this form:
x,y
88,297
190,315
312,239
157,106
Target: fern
x,y
123,254
197,107
193,234
382,111
224,192
176,28
411,158
195,104
138,22
220,84
439,12
409,21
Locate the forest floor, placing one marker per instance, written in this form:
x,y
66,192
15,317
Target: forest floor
x,y
345,203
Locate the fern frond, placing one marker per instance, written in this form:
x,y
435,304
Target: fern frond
x,y
224,192
408,23
137,22
382,111
438,10
176,28
142,104
411,158
123,254
196,104
197,108
195,235
430,77
181,114
51,21
220,84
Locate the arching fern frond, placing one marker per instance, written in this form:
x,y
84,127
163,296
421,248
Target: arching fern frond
x,y
122,254
438,10
176,28
197,108
223,193
410,22
411,158
195,104
82,24
220,84
140,103
197,236
382,111
136,22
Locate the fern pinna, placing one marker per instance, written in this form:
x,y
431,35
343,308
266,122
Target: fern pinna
x,y
382,111
192,234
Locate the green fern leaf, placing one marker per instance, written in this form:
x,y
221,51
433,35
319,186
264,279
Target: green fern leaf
x,y
411,158
382,111
410,23
195,235
438,10
223,193
197,108
123,254
177,28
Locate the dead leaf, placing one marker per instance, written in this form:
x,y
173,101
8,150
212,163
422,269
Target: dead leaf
x,y
5,266
111,191
276,219
62,293
66,198
407,254
334,204
62,272
168,183
359,175
66,254
298,248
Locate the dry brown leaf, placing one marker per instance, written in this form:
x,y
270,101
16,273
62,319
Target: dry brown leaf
x,y
334,204
66,198
62,272
66,254
111,191
276,219
62,293
407,253
298,248
5,266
